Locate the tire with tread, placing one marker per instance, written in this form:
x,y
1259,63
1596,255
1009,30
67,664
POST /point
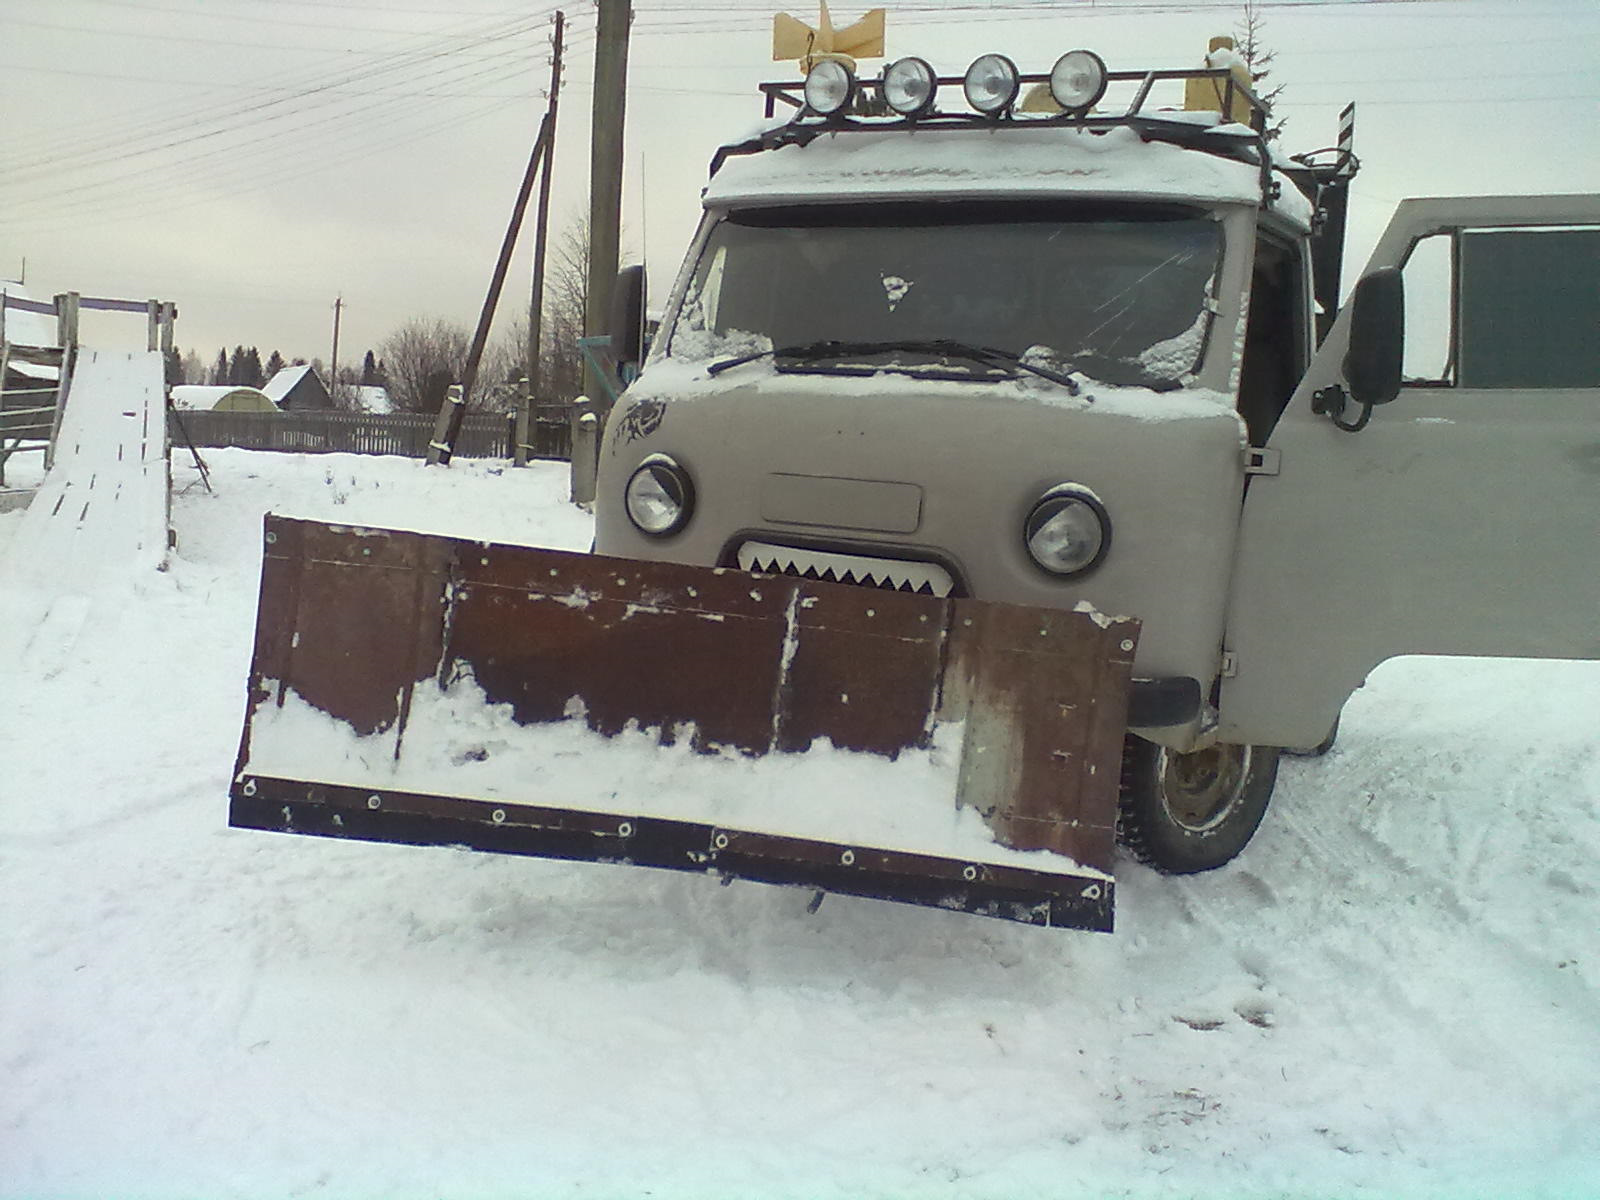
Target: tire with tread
x,y
1183,813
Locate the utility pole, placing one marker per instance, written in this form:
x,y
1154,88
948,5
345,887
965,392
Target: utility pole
x,y
333,371
519,452
605,178
453,411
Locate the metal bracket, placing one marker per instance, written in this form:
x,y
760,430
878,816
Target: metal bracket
x,y
1331,402
1230,664
1261,460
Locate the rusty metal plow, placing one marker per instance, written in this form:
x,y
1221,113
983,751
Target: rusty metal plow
x,y
430,690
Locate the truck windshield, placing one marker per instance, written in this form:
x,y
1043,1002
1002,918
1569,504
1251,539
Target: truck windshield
x,y
1116,294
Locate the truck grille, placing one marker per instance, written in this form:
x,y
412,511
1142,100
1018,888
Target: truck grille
x,y
890,574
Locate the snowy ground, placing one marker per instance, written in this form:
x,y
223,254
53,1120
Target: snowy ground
x,y
1395,992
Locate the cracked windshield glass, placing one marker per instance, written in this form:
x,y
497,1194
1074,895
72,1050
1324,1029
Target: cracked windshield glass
x,y
1117,296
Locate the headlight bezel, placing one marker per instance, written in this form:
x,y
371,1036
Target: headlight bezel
x,y
1051,504
993,108
923,71
1080,102
823,73
671,481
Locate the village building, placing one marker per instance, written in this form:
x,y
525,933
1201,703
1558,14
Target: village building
x,y
297,388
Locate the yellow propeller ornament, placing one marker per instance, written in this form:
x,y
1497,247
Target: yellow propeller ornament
x,y
794,39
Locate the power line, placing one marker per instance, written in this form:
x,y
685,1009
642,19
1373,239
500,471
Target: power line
x,y
125,189
411,50
210,84
211,12
119,208
52,156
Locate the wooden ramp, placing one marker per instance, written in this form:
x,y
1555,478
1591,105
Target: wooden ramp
x,y
102,513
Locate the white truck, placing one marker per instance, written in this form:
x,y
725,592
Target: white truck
x,y
1078,355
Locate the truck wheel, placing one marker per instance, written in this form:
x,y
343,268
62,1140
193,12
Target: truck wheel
x,y
1182,813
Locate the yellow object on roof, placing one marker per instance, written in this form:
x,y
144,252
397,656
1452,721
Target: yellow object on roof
x,y
794,39
1207,95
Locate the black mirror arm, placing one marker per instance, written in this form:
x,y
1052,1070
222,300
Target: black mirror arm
x,y
1331,402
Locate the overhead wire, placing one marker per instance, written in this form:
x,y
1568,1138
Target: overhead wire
x,y
367,148
429,48
56,154
213,12
324,101
153,180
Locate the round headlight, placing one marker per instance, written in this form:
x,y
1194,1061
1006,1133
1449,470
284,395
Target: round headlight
x,y
829,87
1068,530
659,496
991,84
1078,80
908,86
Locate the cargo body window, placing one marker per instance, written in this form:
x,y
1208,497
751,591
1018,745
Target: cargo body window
x,y
1504,308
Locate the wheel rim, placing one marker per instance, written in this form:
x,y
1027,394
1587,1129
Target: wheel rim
x,y
1200,790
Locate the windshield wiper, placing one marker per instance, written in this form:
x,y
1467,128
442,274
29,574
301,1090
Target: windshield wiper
x,y
806,350
944,347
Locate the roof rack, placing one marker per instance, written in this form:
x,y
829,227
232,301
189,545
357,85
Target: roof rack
x,y
871,114
872,105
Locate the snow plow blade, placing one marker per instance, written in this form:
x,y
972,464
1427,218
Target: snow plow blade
x,y
430,690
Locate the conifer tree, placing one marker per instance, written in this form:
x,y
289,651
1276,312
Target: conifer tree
x,y
275,364
251,374
1258,58
219,370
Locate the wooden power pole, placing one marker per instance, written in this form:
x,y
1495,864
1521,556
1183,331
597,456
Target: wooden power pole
x,y
453,411
333,371
541,229
605,178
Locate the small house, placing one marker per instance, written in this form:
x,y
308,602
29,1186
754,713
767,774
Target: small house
x,y
294,389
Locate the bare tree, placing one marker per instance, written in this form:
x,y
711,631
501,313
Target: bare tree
x,y
1258,58
566,298
426,355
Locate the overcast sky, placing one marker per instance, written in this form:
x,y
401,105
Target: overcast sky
x,y
253,160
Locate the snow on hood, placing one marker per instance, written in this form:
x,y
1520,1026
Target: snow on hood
x,y
1003,161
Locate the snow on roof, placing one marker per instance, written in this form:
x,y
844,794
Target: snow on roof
x,y
202,396
281,384
1010,161
373,399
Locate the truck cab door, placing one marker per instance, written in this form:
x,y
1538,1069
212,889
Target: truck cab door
x,y
1461,519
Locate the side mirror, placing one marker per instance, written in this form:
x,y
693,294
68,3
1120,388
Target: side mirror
x,y
1377,337
627,317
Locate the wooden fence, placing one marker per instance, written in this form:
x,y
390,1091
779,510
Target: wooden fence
x,y
483,435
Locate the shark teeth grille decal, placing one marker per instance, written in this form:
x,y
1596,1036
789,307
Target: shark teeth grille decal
x,y
891,574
